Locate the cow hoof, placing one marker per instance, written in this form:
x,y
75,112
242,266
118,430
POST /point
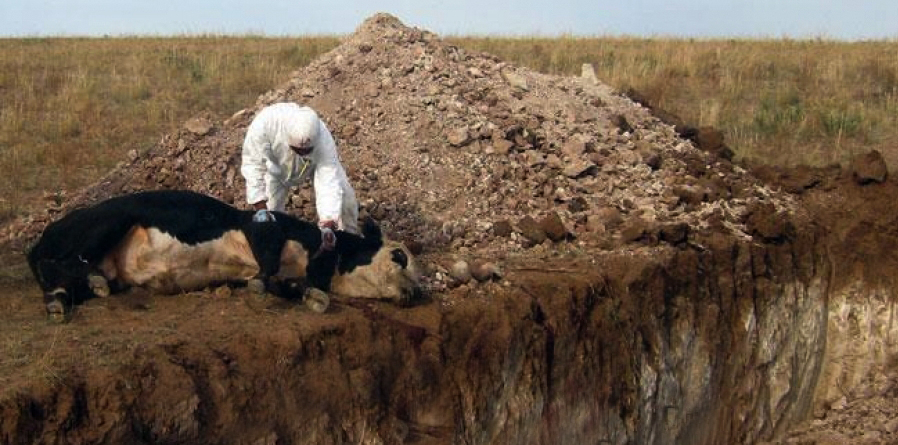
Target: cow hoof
x,y
294,286
256,286
98,285
56,311
316,300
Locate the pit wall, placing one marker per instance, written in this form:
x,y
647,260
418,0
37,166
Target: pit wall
x,y
729,342
736,344
862,344
722,345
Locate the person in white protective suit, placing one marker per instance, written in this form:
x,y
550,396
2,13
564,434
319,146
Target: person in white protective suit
x,y
285,144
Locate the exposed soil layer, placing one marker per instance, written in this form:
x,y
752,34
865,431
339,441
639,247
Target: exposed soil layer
x,y
626,262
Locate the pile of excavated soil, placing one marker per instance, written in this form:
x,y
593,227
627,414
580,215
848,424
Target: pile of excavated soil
x,y
459,152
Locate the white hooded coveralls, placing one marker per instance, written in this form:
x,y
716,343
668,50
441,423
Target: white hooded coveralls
x,y
271,168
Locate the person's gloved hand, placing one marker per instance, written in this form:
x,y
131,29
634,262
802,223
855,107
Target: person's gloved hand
x,y
328,237
263,216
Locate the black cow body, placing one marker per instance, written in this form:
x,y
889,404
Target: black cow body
x,y
175,241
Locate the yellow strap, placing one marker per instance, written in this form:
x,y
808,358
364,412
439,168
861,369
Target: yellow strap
x,y
305,165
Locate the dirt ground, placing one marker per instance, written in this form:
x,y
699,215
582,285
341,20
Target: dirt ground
x,y
107,334
471,162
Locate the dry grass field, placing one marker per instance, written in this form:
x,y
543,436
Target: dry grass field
x,y
71,108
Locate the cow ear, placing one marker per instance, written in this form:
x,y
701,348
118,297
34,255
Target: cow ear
x,y
370,230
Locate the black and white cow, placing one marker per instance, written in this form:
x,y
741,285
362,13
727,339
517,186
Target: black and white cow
x,y
172,241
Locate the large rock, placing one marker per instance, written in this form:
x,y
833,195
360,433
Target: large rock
x,y
531,230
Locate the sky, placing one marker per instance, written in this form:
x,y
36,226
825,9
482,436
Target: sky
x,y
828,19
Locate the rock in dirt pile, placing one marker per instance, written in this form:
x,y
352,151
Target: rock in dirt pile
x,y
460,153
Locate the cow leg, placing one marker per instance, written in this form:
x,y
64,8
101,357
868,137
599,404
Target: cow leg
x,y
288,288
58,279
98,285
315,299
266,241
55,303
257,285
320,270
292,288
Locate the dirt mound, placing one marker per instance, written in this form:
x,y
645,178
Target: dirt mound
x,y
460,152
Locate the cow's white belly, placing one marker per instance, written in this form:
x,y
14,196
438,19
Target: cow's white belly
x,y
156,260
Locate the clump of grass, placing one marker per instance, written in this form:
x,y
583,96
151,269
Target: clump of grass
x,y
776,117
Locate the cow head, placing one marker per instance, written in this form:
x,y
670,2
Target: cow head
x,y
373,267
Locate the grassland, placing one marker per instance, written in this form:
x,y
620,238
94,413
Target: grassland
x,y
71,108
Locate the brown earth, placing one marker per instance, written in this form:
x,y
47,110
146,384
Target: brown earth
x,y
593,215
